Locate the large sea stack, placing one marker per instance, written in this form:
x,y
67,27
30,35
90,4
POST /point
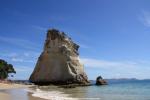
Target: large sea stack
x,y
59,62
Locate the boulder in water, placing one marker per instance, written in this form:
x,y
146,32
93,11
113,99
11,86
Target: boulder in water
x,y
100,81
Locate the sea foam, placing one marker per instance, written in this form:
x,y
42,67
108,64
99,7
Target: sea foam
x,y
51,95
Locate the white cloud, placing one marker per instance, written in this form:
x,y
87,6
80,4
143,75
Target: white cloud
x,y
21,57
89,62
145,18
39,28
26,54
20,42
117,69
23,69
17,60
22,72
28,57
83,46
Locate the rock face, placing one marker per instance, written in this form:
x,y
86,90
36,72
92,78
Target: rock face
x,y
100,81
59,62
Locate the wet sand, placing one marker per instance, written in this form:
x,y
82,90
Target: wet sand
x,y
4,96
16,92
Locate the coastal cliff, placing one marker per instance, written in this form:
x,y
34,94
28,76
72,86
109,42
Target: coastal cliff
x,y
59,62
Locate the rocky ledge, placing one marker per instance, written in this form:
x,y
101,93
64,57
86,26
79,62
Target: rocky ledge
x,y
59,62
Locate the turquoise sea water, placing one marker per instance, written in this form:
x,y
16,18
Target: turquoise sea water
x,y
132,90
116,90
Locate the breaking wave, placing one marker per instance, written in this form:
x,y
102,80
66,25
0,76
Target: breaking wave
x,y
51,95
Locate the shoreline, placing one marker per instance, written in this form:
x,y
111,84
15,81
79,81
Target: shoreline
x,y
6,89
19,87
14,91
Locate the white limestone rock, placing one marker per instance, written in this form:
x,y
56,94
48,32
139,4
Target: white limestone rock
x,y
59,61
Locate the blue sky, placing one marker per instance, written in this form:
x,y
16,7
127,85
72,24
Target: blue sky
x,y
113,35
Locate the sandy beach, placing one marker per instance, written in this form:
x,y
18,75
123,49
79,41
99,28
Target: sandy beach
x,y
6,86
4,96
12,91
12,86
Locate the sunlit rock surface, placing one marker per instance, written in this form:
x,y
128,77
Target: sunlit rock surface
x,y
59,62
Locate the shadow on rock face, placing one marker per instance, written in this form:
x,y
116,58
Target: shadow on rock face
x,y
59,62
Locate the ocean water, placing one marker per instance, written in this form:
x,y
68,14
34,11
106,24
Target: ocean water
x,y
116,90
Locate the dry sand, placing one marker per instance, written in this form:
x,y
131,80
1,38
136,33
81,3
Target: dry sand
x,y
12,86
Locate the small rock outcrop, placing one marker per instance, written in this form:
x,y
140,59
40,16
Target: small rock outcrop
x,y
59,62
100,81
